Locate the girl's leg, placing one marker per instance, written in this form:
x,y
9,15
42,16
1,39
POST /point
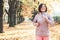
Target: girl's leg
x,y
45,37
38,37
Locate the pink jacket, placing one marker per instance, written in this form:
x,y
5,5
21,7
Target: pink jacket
x,y
42,29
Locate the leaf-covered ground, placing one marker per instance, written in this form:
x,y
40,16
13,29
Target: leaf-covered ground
x,y
26,31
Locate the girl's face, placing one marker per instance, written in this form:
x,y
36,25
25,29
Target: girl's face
x,y
43,8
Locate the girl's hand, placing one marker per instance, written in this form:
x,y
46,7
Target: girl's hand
x,y
36,24
45,17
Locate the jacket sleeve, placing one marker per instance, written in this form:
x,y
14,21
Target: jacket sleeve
x,y
35,19
50,20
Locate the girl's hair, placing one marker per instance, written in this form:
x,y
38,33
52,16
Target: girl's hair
x,y
40,6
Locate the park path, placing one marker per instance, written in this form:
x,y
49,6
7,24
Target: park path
x,y
26,31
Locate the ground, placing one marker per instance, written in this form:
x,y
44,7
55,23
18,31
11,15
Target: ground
x,y
26,31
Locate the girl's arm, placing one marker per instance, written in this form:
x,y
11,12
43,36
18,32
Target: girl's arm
x,y
35,21
49,20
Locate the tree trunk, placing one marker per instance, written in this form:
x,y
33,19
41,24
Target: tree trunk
x,y
11,20
12,14
1,16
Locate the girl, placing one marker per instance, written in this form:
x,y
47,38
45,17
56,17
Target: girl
x,y
41,20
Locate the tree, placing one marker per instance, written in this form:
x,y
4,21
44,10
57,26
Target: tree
x,y
1,16
12,14
18,7
34,13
